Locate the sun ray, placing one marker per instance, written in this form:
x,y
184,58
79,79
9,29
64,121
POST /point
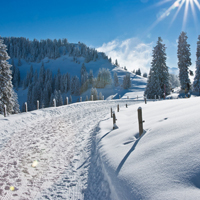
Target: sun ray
x,y
179,8
193,12
185,14
177,5
163,16
197,4
162,2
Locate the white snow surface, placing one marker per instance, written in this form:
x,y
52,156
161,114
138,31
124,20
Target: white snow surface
x,y
161,164
80,156
62,140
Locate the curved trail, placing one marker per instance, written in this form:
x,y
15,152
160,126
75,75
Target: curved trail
x,y
64,145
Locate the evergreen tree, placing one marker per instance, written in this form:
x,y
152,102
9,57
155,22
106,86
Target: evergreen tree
x,y
138,72
159,70
100,96
196,83
94,93
70,99
116,81
90,77
184,61
145,75
116,63
60,99
84,75
127,81
16,104
7,96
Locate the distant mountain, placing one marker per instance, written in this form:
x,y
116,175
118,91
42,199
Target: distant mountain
x,y
173,70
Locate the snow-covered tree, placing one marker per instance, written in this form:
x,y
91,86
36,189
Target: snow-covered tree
x,y
138,72
116,81
100,96
103,78
60,99
196,83
184,61
7,96
84,74
116,63
90,77
126,81
159,70
70,99
145,75
94,93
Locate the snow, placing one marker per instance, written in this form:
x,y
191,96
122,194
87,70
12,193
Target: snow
x,y
61,141
80,156
163,163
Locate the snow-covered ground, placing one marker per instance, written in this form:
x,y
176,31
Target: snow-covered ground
x,y
78,155
161,164
61,141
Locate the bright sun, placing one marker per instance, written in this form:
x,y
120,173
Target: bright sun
x,y
178,4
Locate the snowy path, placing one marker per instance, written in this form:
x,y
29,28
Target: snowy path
x,y
63,141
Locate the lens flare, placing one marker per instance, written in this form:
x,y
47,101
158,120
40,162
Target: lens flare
x,y
177,5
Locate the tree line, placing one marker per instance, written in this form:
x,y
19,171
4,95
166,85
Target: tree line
x,y
160,81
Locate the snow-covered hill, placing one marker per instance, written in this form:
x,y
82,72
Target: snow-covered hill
x,y
163,163
66,65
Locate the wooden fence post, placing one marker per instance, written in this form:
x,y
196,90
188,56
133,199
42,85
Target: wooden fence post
x,y
155,97
111,112
118,108
126,105
67,101
145,100
140,121
5,113
37,105
91,97
159,97
26,107
114,120
54,103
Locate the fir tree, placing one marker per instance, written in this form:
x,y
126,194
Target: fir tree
x,y
184,61
158,80
6,88
196,83
127,81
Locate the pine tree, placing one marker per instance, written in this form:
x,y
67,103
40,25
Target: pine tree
x,y
196,83
116,81
70,99
116,63
184,61
6,88
60,99
100,96
127,81
94,93
158,80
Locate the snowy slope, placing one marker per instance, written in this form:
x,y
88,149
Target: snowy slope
x,y
162,164
66,65
62,141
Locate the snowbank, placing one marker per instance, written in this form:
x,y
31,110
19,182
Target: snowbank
x,y
162,164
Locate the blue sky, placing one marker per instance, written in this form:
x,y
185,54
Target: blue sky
x,y
123,29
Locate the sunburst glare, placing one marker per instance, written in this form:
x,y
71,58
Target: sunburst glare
x,y
177,5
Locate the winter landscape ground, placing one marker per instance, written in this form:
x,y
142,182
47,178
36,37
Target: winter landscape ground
x,y
80,156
